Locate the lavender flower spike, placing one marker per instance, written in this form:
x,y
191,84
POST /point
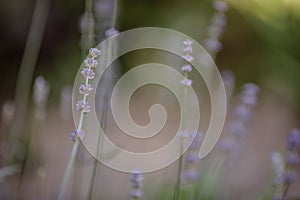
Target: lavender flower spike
x,y
136,180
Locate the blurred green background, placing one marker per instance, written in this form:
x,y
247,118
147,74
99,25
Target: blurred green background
x,y
260,44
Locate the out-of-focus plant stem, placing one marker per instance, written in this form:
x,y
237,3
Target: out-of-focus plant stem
x,y
110,52
177,191
31,52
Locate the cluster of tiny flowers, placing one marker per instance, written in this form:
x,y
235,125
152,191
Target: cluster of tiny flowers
x,y
216,28
284,170
136,180
190,173
85,89
241,116
186,68
83,106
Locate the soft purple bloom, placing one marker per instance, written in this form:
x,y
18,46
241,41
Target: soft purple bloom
x,y
77,134
251,88
192,157
85,89
188,42
88,73
190,175
213,45
242,112
136,178
186,82
237,128
289,177
197,140
90,62
188,49
292,158
219,20
221,6
94,52
111,31
136,193
188,58
228,145
186,68
183,134
294,139
83,106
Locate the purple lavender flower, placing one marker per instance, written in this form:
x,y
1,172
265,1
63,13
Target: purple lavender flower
x,y
228,145
88,73
136,180
136,193
188,58
242,111
77,134
186,82
237,128
192,157
213,45
83,106
186,68
183,134
91,62
289,177
197,140
221,6
187,42
292,158
190,175
85,89
188,49
94,52
294,139
111,32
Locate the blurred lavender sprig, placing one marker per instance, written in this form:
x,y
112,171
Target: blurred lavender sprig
x,y
186,69
40,97
83,107
242,115
136,180
284,170
216,28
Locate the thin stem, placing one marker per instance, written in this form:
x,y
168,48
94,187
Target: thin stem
x,y
115,14
180,164
286,185
68,170
28,63
74,150
96,169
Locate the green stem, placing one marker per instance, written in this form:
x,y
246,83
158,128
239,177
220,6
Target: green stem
x,y
68,170
180,164
74,150
31,52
